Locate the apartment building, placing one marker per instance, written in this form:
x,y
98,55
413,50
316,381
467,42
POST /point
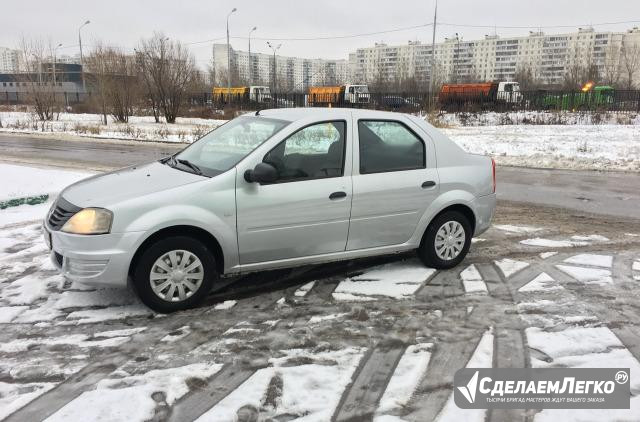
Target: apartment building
x,y
549,58
9,60
293,74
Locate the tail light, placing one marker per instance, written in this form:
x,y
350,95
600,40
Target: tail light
x,y
493,174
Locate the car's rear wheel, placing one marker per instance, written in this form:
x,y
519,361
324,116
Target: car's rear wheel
x,y
446,241
174,273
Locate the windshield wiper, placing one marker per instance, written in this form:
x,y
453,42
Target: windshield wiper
x,y
189,164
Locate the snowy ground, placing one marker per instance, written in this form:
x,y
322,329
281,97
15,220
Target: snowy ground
x,y
538,118
23,184
139,128
596,147
571,146
370,339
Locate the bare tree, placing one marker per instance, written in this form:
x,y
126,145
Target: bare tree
x,y
38,74
611,67
112,75
167,69
631,62
526,77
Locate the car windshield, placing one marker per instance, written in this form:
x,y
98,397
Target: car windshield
x,y
224,147
362,89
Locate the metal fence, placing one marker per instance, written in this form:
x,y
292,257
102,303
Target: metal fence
x,y
626,101
539,100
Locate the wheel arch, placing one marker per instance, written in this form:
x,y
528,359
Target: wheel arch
x,y
198,233
463,209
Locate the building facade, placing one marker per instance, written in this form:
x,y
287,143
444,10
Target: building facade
x,y
9,60
293,74
555,60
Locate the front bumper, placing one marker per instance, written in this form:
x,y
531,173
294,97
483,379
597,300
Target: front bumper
x,y
94,260
485,208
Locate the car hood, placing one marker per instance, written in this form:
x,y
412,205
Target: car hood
x,y
104,190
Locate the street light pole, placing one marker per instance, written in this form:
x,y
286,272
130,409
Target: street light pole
x,y
274,48
250,67
55,50
229,56
84,87
433,55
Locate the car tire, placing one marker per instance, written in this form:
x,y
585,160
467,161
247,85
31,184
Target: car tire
x,y
437,256
189,282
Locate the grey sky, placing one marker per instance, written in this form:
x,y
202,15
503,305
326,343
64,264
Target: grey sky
x,y
123,23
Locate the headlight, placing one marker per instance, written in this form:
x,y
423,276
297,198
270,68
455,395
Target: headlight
x,y
89,221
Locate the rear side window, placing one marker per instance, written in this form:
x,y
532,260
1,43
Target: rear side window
x,y
387,145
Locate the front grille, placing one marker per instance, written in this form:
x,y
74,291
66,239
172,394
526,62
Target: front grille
x,y
61,213
58,258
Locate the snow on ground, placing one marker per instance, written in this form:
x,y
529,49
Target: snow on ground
x,y
605,261
538,118
14,396
587,275
482,358
139,127
472,280
398,280
129,397
510,266
542,283
565,243
509,228
584,347
25,181
304,290
310,390
406,377
602,147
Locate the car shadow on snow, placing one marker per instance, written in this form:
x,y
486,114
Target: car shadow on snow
x,y
257,283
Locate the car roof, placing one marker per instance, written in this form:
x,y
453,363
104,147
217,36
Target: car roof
x,y
292,114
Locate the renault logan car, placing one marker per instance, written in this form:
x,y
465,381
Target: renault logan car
x,y
276,188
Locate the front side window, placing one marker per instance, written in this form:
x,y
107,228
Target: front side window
x,y
224,147
389,146
314,152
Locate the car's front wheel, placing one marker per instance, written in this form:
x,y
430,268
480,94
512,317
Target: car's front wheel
x,y
174,273
446,241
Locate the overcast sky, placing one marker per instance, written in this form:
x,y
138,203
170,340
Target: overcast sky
x,y
123,23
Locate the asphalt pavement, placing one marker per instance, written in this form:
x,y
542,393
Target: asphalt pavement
x,y
608,193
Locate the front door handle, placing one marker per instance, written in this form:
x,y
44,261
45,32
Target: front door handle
x,y
428,184
337,195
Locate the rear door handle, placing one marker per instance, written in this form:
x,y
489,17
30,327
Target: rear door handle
x,y
337,195
428,184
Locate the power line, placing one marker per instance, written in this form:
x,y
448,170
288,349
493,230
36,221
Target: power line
x,y
400,29
537,26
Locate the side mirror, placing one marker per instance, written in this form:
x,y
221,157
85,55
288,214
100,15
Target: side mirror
x,y
262,173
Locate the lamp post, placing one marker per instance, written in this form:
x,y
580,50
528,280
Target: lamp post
x,y
229,55
84,88
54,64
457,57
274,49
250,67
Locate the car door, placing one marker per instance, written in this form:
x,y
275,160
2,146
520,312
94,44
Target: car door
x,y
394,180
306,211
